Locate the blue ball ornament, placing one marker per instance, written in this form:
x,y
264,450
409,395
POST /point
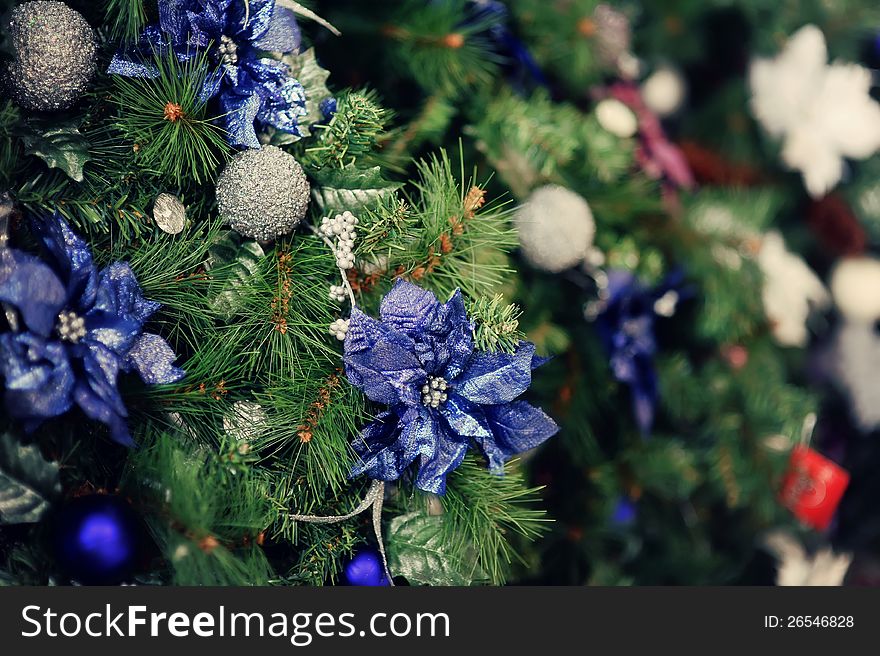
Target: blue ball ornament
x,y
97,540
624,512
365,568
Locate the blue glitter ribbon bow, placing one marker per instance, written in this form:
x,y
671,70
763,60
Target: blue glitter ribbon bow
x,y
82,327
419,359
249,88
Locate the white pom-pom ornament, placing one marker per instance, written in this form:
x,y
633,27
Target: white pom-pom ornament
x,y
855,287
664,91
617,118
556,228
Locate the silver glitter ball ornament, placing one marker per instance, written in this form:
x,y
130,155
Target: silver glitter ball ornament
x,y
54,56
263,193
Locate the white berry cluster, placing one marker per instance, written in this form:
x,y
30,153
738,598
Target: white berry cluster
x,y
341,227
434,392
337,293
71,327
339,329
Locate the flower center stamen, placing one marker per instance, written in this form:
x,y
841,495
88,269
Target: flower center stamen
x,y
434,391
71,326
227,50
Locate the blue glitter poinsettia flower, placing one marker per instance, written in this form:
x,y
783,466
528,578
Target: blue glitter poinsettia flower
x,y
443,395
249,88
81,328
626,326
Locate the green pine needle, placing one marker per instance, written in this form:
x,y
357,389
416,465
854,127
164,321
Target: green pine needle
x,y
496,324
125,19
168,122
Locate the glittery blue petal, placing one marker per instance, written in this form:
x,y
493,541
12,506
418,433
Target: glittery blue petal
x,y
465,419
239,114
283,99
408,308
95,408
32,288
120,294
102,370
283,33
419,434
432,473
205,26
493,378
172,17
111,331
540,361
375,449
37,374
71,258
516,427
211,85
381,361
153,359
129,66
250,21
458,333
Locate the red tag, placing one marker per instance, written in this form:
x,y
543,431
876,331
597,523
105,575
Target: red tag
x,y
813,487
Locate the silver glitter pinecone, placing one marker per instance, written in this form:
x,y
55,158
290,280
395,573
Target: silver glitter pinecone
x,y
263,193
54,51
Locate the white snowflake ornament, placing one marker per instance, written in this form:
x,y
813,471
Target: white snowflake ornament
x,y
822,112
797,567
791,290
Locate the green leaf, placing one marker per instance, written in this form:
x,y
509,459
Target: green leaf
x,y
60,145
27,481
350,188
418,550
244,260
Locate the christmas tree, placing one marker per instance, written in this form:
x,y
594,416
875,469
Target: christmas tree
x,y
200,386
287,285
688,176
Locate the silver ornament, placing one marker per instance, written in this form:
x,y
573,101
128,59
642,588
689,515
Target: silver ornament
x,y
556,228
263,193
169,213
54,52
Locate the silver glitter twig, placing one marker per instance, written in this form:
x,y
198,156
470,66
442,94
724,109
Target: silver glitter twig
x,y
374,498
297,8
